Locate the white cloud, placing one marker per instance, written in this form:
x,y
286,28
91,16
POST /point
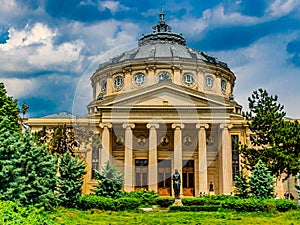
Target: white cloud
x,y
105,35
282,7
113,6
264,65
33,49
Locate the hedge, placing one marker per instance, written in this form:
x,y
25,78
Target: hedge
x,y
257,205
196,208
96,202
146,197
106,203
165,202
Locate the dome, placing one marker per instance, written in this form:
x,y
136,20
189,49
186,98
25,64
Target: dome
x,y
161,56
162,44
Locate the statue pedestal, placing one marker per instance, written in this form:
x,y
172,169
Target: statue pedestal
x,y
211,193
177,202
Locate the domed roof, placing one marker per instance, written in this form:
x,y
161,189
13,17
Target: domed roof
x,y
162,44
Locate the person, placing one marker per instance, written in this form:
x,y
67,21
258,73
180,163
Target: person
x,y
277,196
286,195
176,184
292,196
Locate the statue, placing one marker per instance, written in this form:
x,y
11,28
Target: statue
x,y
211,187
176,183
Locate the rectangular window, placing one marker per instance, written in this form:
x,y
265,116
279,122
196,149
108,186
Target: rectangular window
x,y
235,156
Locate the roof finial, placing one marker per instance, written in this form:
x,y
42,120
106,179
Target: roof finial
x,y
161,15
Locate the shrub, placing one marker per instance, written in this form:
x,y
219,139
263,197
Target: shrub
x,y
12,213
194,201
165,201
146,197
207,200
196,208
96,202
243,205
283,205
126,203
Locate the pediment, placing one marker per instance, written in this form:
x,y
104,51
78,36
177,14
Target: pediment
x,y
165,95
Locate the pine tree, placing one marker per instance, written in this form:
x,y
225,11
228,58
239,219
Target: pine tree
x,y
261,182
9,140
110,182
37,172
70,180
9,108
278,140
241,186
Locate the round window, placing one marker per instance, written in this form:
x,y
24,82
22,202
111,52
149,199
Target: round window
x,y
164,77
188,79
118,82
139,79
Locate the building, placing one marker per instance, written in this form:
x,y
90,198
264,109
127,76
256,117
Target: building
x,y
164,106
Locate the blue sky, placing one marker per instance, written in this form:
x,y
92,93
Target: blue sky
x,y
50,48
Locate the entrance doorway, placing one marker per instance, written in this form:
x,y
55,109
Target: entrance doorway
x,y
164,177
188,184
141,174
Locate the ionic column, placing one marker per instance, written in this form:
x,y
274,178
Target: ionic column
x,y
226,160
128,157
152,166
178,149
202,158
106,143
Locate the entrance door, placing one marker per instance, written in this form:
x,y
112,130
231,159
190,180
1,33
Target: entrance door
x,y
141,174
188,187
164,177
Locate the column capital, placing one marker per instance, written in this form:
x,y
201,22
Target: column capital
x,y
152,126
128,125
202,125
103,125
226,126
177,126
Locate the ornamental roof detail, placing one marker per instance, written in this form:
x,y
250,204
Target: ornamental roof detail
x,y
162,44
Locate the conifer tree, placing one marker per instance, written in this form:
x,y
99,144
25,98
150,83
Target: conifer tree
x,y
261,182
241,185
110,182
9,108
8,159
71,171
278,140
37,172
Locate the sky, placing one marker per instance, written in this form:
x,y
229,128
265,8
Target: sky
x,y
50,48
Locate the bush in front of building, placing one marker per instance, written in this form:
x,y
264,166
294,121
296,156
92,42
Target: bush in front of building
x,y
283,205
165,202
108,204
96,202
126,203
207,200
259,205
146,197
196,208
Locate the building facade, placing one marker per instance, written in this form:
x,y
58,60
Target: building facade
x,y
164,106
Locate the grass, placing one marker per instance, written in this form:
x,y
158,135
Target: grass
x,y
91,217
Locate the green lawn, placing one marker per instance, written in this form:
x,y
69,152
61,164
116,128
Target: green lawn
x,y
72,217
